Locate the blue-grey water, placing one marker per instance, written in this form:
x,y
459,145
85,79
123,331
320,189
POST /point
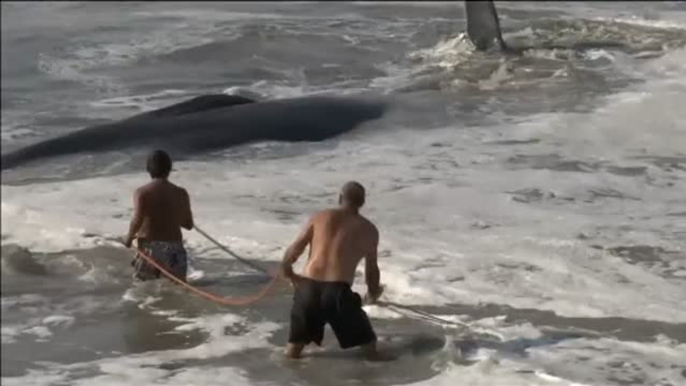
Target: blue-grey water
x,y
536,201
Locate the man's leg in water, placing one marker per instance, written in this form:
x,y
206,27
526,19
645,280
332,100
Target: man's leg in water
x,y
294,351
371,353
307,319
369,350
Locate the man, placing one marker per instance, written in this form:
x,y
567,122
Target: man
x,y
161,209
338,238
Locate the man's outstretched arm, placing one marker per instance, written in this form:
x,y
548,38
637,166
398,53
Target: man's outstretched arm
x,y
187,216
137,220
296,249
371,269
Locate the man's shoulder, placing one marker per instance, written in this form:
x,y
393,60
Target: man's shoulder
x,y
152,187
182,190
322,214
143,189
178,189
369,225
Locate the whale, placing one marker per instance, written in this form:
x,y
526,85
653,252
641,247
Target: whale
x,y
483,26
216,121
211,122
483,31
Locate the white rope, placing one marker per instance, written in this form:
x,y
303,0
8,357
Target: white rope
x,y
230,252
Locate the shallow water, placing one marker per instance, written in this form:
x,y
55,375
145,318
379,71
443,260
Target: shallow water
x,y
535,203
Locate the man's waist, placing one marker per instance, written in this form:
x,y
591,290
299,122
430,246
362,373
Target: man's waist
x,y
150,241
166,235
324,280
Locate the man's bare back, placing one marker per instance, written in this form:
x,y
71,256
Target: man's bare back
x,y
165,208
340,239
161,209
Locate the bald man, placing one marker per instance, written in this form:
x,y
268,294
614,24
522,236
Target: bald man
x,y
339,239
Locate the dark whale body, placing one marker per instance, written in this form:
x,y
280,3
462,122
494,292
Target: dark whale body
x,y
211,122
483,30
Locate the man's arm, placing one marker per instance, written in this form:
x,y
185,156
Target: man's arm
x,y
371,268
296,249
137,220
187,215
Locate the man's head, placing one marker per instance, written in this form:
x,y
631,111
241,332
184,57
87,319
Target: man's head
x,y
159,164
352,194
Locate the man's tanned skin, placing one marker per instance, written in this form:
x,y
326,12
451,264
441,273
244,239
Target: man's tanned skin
x,y
339,239
161,208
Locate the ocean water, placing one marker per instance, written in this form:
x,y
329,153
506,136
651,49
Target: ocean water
x,y
536,203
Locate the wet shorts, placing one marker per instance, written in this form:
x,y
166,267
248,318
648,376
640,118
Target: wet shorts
x,y
171,255
316,303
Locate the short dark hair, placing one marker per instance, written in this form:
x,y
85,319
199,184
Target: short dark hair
x,y
159,164
353,193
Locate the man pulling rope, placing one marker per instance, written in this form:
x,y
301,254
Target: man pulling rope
x,y
338,238
160,210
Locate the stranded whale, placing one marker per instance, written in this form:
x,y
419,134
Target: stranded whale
x,y
211,122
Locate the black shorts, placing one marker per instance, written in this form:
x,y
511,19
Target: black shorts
x,y
316,303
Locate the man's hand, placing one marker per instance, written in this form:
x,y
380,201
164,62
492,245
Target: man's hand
x,y
372,296
291,276
294,251
296,280
137,220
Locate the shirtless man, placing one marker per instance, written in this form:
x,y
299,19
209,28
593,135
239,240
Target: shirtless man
x,y
338,238
161,209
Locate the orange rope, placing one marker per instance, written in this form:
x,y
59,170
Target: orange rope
x,y
226,301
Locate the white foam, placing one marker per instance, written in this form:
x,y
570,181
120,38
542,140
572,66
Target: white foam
x,y
9,334
144,368
613,359
570,362
141,102
222,16
486,372
219,343
25,299
12,132
244,92
448,53
59,320
73,69
426,200
34,378
378,312
82,60
643,22
194,274
599,54
42,317
40,331
115,375
422,4
646,119
418,222
557,380
424,205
